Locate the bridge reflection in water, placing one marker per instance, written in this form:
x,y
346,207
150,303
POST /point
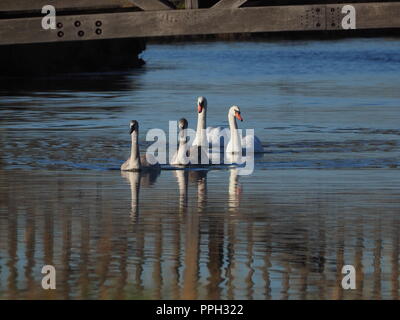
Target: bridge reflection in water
x,y
216,235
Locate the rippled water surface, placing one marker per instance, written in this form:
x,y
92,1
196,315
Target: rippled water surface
x,y
324,194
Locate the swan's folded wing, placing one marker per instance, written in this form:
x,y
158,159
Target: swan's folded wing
x,y
125,165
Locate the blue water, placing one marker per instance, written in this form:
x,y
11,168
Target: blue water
x,y
325,193
335,101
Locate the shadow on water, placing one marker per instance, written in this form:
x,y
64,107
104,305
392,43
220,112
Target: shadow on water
x,y
72,56
74,82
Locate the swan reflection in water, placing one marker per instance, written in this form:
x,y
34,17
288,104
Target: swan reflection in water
x,y
235,190
190,217
200,179
191,227
197,177
136,179
182,177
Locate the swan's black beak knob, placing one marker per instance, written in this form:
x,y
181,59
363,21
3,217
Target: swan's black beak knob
x,y
133,126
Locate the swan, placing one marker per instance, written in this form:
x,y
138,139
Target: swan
x,y
211,136
135,161
185,155
235,144
180,156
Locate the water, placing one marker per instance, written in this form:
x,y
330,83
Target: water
x,y
324,194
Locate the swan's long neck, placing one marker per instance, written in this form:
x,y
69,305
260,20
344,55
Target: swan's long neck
x,y
182,145
182,137
135,158
234,133
201,129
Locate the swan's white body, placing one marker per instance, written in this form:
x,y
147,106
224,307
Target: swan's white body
x,y
136,162
236,144
180,158
217,137
198,156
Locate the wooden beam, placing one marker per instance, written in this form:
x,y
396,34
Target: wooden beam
x,y
37,5
159,23
191,4
153,5
193,22
228,4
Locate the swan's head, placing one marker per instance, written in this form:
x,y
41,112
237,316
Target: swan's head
x,y
235,112
201,104
134,126
182,124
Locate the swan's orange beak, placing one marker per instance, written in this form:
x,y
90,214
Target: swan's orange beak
x,y
238,116
200,108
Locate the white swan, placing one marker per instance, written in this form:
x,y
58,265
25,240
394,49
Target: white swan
x,y
180,156
135,161
235,144
211,136
186,155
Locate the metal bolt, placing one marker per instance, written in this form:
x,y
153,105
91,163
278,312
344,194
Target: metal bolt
x,y
98,31
59,25
77,24
98,23
81,33
60,34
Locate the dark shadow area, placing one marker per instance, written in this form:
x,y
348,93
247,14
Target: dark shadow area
x,y
73,82
71,57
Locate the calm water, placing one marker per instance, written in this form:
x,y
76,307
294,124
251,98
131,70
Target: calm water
x,y
324,194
